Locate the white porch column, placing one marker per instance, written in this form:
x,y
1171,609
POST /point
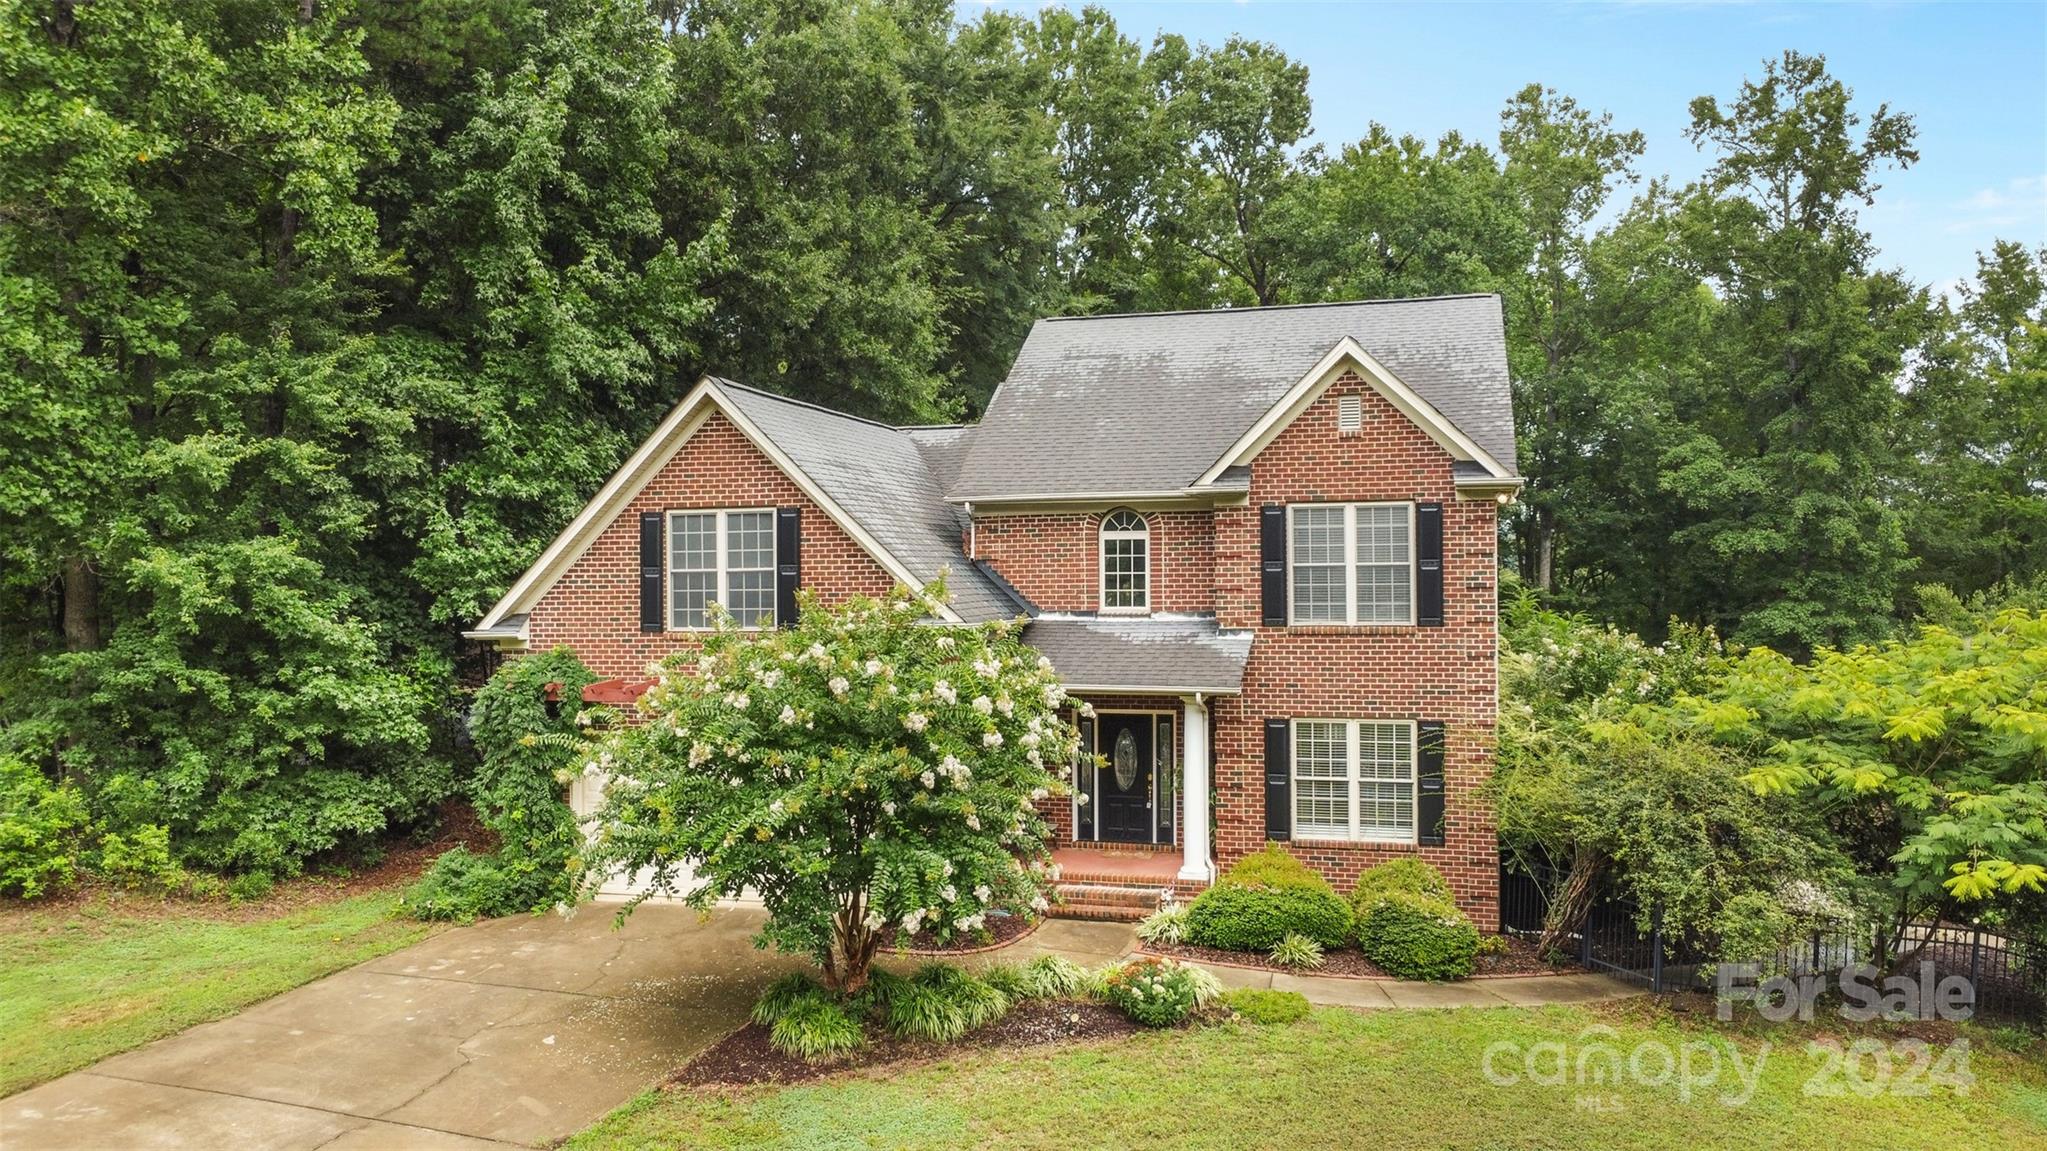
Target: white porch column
x,y
1194,774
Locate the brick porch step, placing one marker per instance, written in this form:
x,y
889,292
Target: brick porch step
x,y
1124,902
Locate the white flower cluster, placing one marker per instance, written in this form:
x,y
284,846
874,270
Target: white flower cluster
x,y
951,768
916,721
839,685
945,691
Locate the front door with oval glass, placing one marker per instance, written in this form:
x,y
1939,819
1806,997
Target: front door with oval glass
x,y
1124,787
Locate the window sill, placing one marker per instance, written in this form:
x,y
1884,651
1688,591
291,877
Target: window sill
x,y
1340,841
1125,612
1350,628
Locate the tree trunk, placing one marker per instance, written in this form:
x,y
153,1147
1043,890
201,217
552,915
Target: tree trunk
x,y
1568,911
852,950
81,605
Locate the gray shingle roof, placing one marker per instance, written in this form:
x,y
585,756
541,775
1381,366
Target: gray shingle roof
x,y
882,477
1147,403
1142,654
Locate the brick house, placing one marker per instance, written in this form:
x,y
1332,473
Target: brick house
x,y
1261,542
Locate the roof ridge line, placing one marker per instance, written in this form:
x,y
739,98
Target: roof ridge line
x,y
1254,308
817,407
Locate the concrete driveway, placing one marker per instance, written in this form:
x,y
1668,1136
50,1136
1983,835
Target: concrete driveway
x,y
511,1032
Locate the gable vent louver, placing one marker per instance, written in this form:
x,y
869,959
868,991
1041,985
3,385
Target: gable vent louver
x,y
1350,415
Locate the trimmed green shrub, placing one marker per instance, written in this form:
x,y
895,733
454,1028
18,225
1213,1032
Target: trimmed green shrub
x,y
1167,925
1263,899
1154,992
816,1026
1297,951
41,824
1410,875
1415,937
1265,1006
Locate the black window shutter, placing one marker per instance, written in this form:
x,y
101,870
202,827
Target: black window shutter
x,y
650,571
1428,783
788,563
1428,564
1279,780
1272,563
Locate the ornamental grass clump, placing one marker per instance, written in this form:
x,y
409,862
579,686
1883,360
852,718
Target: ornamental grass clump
x,y
1298,952
1166,926
1151,991
1054,977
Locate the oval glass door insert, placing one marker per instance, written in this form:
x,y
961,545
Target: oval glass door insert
x,y
1125,760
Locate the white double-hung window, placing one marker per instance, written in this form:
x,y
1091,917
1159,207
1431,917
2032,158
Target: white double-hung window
x,y
1351,563
1354,779
724,557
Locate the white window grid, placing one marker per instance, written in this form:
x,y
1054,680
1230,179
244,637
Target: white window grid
x,y
1350,563
1354,780
725,557
1126,563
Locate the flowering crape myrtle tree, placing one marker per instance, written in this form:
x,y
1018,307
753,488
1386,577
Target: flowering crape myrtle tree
x,y
866,772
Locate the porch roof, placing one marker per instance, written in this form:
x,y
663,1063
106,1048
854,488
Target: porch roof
x,y
1174,656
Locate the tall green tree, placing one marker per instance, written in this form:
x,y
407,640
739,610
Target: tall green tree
x,y
1562,163
1972,474
1784,464
1239,112
198,245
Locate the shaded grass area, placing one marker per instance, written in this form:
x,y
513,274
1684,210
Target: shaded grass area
x,y
92,977
1338,1079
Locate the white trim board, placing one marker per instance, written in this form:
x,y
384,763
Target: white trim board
x,y
1348,352
676,429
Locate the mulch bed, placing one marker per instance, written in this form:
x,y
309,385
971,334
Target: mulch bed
x,y
999,931
746,1057
1347,963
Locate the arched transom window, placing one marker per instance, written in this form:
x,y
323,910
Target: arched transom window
x,y
1126,562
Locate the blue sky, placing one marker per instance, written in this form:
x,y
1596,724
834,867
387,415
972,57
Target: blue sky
x,y
1973,76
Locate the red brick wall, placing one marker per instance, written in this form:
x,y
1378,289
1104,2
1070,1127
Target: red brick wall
x,y
1407,673
1055,559
595,606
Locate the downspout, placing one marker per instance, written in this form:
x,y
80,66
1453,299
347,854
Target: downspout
x,y
972,554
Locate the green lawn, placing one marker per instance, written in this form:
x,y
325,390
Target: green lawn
x,y
82,981
1385,1080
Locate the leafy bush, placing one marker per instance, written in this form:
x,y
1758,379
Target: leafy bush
x,y
1167,925
140,858
519,790
1263,899
1492,945
250,886
1265,1006
41,824
816,1026
1297,951
1415,937
1154,992
1410,875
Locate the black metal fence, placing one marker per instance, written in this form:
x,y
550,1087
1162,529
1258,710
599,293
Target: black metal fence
x,y
2007,977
